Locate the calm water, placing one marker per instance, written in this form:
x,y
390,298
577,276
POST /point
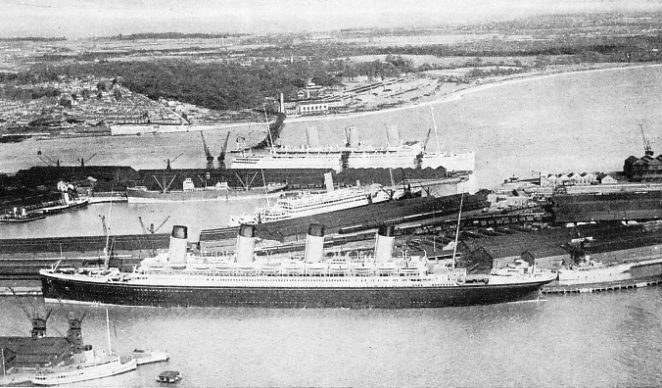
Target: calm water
x,y
592,340
583,122
577,122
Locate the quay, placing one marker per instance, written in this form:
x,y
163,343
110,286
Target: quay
x,y
554,288
20,291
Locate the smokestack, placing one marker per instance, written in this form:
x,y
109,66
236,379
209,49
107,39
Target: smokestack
x,y
246,244
352,136
314,244
177,249
313,137
328,182
384,243
38,327
74,333
393,135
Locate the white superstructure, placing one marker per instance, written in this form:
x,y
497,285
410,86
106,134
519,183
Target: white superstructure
x,y
353,155
95,365
303,204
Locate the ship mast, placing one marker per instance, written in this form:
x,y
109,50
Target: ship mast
x,y
436,134
271,140
457,231
108,329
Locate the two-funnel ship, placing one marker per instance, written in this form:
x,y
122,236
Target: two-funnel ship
x,y
378,280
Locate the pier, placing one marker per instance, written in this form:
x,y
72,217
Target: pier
x,y
554,288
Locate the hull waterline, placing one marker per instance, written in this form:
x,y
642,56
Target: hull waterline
x,y
59,289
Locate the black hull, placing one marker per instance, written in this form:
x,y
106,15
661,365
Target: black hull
x,y
387,298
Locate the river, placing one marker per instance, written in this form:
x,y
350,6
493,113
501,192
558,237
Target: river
x,y
579,340
579,122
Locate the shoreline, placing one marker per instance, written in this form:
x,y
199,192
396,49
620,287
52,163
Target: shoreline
x,y
442,98
454,95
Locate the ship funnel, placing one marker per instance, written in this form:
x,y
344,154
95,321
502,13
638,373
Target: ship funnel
x,y
314,243
38,327
352,136
313,137
75,333
393,134
384,243
328,182
246,244
88,353
177,255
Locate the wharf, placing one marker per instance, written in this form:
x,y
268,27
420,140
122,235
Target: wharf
x,y
555,288
144,357
23,258
20,291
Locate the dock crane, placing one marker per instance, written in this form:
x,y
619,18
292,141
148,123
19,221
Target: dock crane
x,y
221,156
647,144
38,323
427,139
107,250
83,161
169,162
210,157
48,161
151,229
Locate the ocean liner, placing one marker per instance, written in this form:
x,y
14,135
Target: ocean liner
x,y
180,278
296,204
353,155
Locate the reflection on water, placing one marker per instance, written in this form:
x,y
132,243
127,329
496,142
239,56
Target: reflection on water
x,y
122,218
591,340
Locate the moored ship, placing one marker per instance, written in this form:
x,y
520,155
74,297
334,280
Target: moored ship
x,y
306,203
179,278
218,192
19,216
353,155
88,365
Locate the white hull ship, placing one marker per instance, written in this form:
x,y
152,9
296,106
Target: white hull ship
x,y
305,203
583,270
179,278
89,365
353,156
104,365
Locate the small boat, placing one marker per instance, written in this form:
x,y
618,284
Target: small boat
x,y
169,376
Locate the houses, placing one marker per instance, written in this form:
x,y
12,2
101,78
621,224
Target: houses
x,y
572,179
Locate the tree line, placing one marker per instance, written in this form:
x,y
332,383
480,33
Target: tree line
x,y
222,86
